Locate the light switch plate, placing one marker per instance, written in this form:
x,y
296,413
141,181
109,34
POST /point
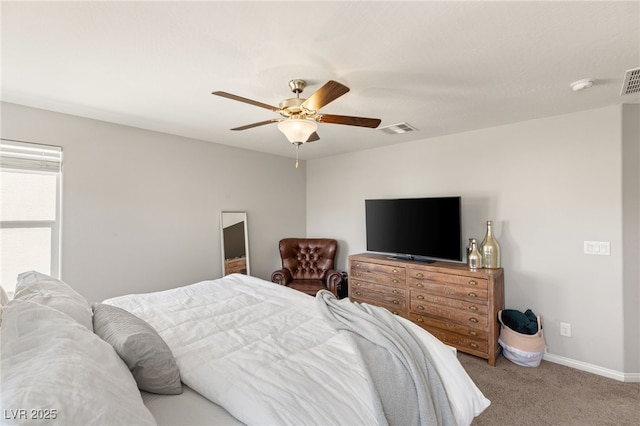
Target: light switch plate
x,y
600,248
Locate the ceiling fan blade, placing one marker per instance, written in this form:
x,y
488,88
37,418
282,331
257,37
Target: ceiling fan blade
x,y
261,123
348,120
245,100
314,137
331,91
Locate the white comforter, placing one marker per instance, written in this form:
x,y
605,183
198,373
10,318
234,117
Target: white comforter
x,y
263,352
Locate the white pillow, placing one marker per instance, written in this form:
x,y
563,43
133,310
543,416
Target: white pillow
x,y
54,368
4,299
46,290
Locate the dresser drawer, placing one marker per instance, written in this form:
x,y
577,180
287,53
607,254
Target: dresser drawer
x,y
452,327
395,279
468,344
394,304
378,294
464,317
418,298
394,309
471,294
415,276
367,287
376,267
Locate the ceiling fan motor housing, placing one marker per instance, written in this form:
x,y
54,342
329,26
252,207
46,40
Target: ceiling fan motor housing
x,y
292,107
297,85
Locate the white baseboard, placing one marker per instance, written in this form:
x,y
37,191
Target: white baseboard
x,y
590,368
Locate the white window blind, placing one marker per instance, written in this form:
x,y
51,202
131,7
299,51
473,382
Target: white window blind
x,y
30,189
29,156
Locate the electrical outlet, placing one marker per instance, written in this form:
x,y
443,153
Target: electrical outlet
x,y
565,329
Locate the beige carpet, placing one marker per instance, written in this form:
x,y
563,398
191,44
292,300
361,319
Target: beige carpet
x,y
551,394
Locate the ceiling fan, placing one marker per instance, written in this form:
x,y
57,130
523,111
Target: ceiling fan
x,y
299,115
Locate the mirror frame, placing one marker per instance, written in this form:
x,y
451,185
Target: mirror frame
x,y
232,218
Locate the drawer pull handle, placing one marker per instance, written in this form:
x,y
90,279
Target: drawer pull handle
x,y
395,281
357,265
394,270
419,320
421,307
474,320
473,332
394,312
420,275
395,292
473,308
419,285
420,297
395,302
473,345
472,282
358,284
472,294
359,293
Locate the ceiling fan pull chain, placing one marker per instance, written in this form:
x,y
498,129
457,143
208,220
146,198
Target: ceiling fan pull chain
x,y
297,144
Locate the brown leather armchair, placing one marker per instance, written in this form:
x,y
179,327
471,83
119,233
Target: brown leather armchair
x,y
307,265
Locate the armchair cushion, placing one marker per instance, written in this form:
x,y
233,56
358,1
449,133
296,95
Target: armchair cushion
x,y
308,258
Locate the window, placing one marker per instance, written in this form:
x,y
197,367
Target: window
x,y
30,176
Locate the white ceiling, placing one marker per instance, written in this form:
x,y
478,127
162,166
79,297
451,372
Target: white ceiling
x,y
443,67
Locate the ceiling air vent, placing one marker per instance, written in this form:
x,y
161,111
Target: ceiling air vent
x,y
396,129
631,82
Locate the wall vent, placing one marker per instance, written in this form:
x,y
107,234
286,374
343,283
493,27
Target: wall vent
x,y
396,129
631,82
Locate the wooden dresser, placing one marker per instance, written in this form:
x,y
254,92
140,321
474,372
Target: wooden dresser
x,y
458,306
237,265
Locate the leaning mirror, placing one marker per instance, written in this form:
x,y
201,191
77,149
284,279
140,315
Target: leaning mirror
x,y
235,243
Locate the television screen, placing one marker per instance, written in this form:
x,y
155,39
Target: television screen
x,y
415,228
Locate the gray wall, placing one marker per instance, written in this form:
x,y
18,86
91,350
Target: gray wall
x,y
631,234
141,210
548,185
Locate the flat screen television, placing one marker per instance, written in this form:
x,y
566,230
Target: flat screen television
x,y
423,229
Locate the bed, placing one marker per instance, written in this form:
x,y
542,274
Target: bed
x,y
236,350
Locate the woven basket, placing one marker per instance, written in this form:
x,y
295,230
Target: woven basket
x,y
522,349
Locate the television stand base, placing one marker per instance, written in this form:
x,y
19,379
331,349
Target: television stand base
x,y
408,257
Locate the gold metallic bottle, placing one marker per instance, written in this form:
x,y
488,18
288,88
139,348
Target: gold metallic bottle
x,y
474,258
490,249
469,246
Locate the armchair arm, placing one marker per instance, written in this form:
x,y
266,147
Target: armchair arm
x,y
333,280
281,276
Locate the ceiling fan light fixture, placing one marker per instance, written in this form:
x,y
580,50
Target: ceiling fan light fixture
x,y
297,130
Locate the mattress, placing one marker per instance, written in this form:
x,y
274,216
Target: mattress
x,y
187,409
265,354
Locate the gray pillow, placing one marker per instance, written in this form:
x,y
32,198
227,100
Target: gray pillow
x,y
140,347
